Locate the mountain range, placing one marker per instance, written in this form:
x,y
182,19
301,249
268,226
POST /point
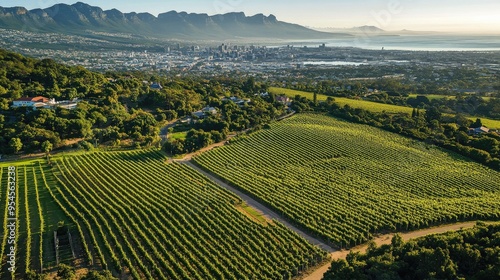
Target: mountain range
x,y
81,19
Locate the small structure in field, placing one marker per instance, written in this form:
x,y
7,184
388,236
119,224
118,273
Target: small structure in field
x,y
478,130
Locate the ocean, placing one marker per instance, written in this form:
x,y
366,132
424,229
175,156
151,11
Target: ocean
x,y
412,42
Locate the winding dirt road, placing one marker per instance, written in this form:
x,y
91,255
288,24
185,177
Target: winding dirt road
x,y
386,239
317,274
264,210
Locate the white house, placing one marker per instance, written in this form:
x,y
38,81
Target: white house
x,y
43,102
209,110
34,102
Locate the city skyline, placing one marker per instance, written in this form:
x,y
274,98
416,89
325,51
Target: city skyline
x,y
419,15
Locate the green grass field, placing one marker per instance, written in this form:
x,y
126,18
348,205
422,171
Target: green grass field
x,y
368,105
439,96
141,218
433,96
346,182
178,135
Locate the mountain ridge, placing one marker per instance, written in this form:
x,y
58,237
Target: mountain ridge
x,y
81,18
366,29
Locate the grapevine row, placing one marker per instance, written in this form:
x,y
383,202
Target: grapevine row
x,y
81,216
89,209
40,216
28,222
184,213
344,182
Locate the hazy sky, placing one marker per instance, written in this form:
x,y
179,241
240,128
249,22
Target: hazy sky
x,y
478,16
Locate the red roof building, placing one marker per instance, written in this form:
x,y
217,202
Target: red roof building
x,y
29,101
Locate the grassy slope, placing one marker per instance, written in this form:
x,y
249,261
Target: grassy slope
x,y
362,104
433,96
368,105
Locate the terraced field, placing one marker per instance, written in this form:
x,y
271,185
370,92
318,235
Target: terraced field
x,y
135,215
345,182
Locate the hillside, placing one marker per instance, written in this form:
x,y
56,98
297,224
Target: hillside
x,y
83,19
346,182
116,109
369,105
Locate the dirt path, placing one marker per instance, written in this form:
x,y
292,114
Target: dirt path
x,y
165,127
188,157
386,239
335,254
268,213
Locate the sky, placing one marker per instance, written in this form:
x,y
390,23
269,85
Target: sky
x,y
464,16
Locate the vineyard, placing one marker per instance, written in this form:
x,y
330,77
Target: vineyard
x,y
36,224
345,182
135,215
342,101
368,105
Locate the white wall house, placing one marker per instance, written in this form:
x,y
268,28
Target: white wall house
x,y
43,102
34,102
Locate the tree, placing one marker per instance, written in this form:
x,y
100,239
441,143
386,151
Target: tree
x,y
486,143
432,113
462,137
330,100
477,123
315,98
463,121
397,241
197,139
65,272
15,145
170,115
47,147
175,147
32,275
249,85
419,101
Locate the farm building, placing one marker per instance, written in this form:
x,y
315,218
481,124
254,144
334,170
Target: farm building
x,y
478,130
